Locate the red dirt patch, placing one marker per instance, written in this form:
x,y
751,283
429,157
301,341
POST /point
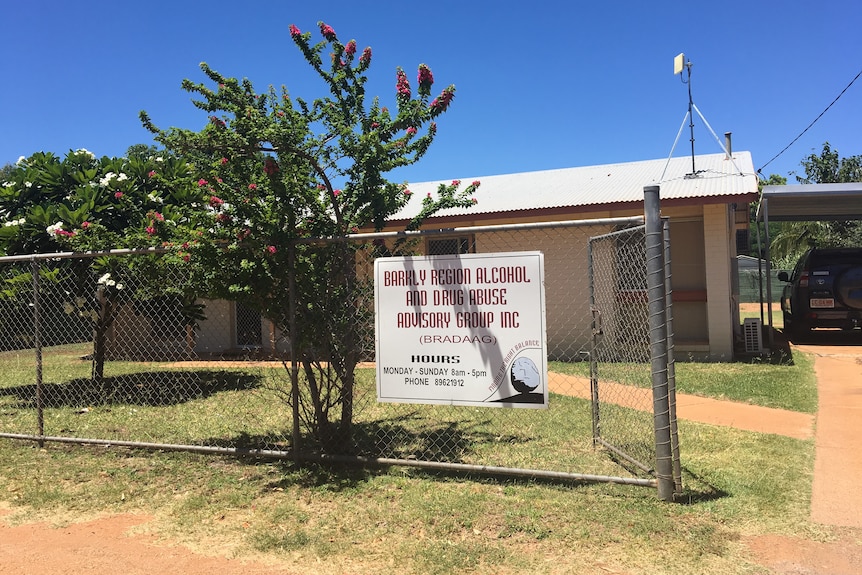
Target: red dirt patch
x,y
106,546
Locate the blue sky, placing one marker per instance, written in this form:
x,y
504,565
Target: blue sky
x,y
540,85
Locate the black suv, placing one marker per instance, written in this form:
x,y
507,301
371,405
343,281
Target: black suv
x,y
825,290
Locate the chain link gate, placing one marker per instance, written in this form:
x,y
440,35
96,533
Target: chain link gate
x,y
176,374
620,353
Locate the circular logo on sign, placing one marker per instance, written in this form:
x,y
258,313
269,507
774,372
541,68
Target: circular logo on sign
x,y
525,375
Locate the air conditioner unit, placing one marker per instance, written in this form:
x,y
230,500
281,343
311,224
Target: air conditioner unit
x,y
751,330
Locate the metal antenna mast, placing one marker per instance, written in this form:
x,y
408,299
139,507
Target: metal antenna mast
x,y
679,65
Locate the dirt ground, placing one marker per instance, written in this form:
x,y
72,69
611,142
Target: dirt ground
x,y
110,545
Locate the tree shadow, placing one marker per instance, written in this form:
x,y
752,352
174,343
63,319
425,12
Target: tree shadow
x,y
144,389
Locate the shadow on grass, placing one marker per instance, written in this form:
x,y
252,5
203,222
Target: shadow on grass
x,y
145,389
697,490
406,438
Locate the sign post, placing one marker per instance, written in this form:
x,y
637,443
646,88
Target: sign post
x,y
462,330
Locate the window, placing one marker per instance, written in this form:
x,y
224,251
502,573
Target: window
x,y
445,246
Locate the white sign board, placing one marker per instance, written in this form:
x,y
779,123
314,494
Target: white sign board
x,y
462,330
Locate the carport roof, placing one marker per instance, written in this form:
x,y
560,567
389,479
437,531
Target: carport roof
x,y
808,202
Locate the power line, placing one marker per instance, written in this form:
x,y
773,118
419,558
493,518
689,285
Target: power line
x,y
811,124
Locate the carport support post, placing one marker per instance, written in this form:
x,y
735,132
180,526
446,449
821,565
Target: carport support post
x,y
657,298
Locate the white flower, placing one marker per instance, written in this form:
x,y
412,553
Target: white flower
x,y
8,185
154,197
20,161
28,184
122,178
86,152
120,286
160,159
52,230
104,278
105,181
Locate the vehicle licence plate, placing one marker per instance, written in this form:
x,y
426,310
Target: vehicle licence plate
x,y
821,302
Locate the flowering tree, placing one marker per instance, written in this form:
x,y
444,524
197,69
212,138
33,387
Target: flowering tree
x,y
82,203
276,169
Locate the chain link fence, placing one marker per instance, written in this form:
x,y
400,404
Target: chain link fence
x,y
118,348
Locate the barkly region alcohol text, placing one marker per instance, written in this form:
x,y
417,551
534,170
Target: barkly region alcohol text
x,y
457,276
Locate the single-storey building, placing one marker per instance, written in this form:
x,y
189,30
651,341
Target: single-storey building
x,y
706,199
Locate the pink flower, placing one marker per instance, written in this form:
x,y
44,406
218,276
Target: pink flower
x,y
402,86
271,249
426,79
407,192
215,201
429,194
252,186
186,257
336,192
151,174
158,216
365,59
202,182
327,32
474,200
150,230
476,183
224,161
294,31
411,130
270,166
375,125
456,183
442,101
350,49
118,195
85,225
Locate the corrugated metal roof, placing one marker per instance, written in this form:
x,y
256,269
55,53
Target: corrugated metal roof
x,y
600,185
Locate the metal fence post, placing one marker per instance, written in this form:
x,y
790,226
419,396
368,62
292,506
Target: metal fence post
x,y
658,341
671,361
294,349
37,345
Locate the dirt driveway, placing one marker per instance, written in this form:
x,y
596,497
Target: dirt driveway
x,y
108,546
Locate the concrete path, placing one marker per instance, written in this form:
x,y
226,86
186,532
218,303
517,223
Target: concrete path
x,y
836,497
695,408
